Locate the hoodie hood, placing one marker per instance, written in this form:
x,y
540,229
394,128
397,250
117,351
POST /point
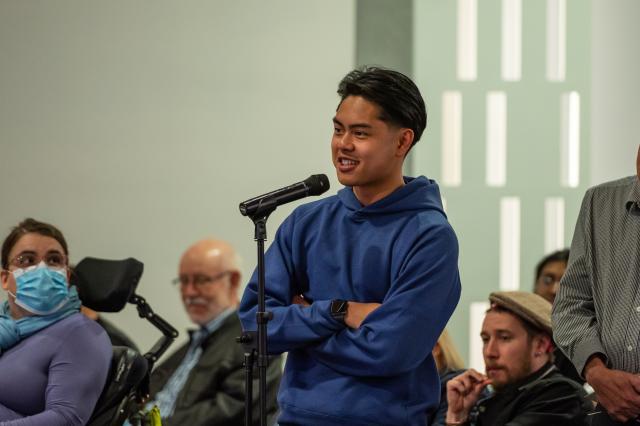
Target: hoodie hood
x,y
418,193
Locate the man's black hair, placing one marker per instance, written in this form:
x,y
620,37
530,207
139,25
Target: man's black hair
x,y
556,256
397,96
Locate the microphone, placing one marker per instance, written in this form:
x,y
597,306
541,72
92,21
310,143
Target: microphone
x,y
313,185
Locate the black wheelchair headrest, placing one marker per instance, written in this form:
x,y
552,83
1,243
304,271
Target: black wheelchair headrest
x,y
106,285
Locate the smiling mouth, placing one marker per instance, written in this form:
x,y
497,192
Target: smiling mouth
x,y
195,302
346,164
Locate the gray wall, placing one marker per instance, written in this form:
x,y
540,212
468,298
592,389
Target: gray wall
x,y
138,127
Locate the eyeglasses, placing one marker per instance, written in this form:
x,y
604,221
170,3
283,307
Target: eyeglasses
x,y
53,259
548,279
198,280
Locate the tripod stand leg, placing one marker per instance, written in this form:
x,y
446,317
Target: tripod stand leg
x,y
248,388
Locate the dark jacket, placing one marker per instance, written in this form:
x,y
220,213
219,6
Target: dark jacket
x,y
214,391
544,398
565,366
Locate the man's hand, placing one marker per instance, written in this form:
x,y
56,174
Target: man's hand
x,y
300,300
463,392
617,391
357,312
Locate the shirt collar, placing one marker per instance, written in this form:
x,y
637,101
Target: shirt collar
x,y
545,371
633,199
212,325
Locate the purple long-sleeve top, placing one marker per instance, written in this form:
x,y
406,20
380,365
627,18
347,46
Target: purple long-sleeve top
x,y
55,376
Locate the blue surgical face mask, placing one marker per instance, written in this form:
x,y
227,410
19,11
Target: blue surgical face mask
x,y
41,290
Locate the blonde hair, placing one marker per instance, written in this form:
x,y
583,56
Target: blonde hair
x,y
449,358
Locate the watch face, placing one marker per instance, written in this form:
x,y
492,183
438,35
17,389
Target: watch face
x,y
339,307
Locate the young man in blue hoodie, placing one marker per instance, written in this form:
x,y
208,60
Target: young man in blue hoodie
x,y
362,283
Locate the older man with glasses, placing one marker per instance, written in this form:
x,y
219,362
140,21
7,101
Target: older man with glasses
x,y
202,383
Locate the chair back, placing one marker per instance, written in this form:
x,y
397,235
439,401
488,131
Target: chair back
x,y
128,371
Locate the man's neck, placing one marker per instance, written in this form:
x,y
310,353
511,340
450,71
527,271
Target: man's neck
x,y
369,194
215,322
535,374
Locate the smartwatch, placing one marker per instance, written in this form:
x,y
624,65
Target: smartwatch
x,y
339,309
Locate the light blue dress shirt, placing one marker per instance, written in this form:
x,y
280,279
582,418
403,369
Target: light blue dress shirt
x,y
166,398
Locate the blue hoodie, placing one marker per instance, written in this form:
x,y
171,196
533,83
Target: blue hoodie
x,y
399,251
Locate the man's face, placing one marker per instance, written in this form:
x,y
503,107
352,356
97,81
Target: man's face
x,y
367,152
507,349
549,279
206,288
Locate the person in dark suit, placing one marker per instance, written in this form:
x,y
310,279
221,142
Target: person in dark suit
x,y
202,383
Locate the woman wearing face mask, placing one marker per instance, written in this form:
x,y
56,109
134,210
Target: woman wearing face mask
x,y
53,360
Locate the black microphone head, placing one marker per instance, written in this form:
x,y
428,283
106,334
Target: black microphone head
x,y
318,184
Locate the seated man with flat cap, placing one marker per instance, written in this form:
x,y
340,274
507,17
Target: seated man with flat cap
x,y
202,383
527,389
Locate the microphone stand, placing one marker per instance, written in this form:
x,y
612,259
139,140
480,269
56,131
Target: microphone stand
x,y
256,343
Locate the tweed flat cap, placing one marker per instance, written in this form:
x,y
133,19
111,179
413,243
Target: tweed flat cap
x,y
530,307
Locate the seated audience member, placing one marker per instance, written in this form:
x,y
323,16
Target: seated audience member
x,y
54,361
202,383
449,364
549,271
528,388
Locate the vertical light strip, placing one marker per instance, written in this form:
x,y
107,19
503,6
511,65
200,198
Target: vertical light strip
x,y
556,39
444,204
553,224
451,138
496,128
570,139
509,243
477,312
467,40
511,40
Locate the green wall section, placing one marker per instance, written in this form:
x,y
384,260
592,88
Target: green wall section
x,y
533,136
384,35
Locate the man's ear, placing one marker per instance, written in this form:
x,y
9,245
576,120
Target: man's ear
x,y
542,343
234,279
405,140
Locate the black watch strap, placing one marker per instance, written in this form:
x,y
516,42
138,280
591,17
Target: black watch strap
x,y
339,309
